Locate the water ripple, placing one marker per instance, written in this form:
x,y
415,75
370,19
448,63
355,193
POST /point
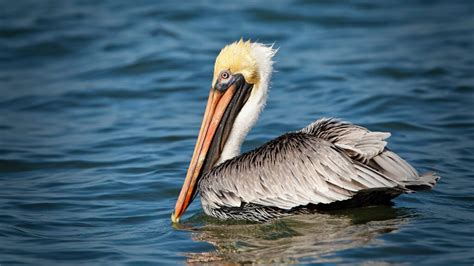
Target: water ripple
x,y
101,104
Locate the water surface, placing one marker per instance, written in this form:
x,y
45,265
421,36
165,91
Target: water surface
x,y
101,104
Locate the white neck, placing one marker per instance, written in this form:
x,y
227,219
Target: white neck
x,y
250,112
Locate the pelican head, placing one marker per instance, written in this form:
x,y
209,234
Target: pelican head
x,y
238,94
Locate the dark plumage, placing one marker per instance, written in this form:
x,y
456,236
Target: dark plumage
x,y
327,165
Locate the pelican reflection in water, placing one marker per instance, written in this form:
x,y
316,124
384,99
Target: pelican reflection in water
x,y
327,165
295,239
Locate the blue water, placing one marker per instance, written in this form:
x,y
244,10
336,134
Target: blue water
x,y
101,103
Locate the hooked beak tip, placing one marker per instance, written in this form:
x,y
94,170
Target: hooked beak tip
x,y
174,219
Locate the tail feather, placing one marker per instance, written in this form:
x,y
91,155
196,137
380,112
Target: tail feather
x,y
396,168
424,182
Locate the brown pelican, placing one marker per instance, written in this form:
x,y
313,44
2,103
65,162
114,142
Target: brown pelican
x,y
328,164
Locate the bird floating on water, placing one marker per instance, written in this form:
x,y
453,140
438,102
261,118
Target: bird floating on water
x,y
327,165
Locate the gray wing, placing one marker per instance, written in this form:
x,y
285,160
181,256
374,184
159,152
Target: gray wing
x,y
293,170
369,148
357,142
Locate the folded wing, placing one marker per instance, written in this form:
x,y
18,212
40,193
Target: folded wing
x,y
326,162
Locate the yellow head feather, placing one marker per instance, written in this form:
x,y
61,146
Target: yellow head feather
x,y
237,58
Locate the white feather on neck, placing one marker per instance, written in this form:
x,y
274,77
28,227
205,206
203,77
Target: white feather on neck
x,y
250,112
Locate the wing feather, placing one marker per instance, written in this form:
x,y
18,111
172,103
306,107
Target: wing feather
x,y
358,142
293,170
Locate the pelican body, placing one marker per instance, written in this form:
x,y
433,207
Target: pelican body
x,y
327,165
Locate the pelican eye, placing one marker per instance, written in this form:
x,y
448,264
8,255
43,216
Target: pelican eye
x,y
225,75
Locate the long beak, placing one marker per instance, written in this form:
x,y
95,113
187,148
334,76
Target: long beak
x,y
222,108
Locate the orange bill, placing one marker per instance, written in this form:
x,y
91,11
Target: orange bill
x,y
215,109
222,108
